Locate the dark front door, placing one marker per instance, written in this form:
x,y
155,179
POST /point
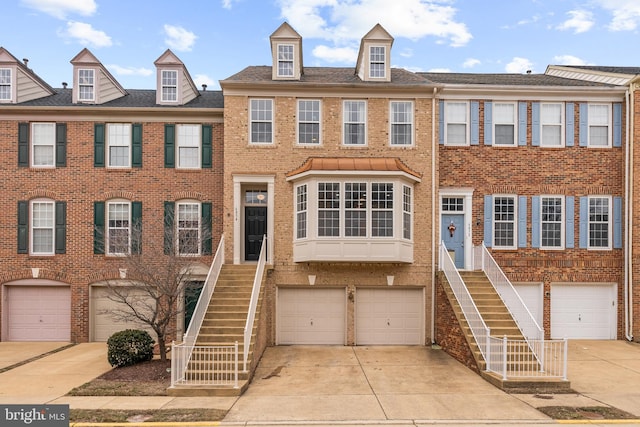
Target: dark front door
x,y
255,227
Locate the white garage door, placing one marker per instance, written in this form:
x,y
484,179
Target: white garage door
x,y
311,316
105,323
531,294
583,311
389,316
38,313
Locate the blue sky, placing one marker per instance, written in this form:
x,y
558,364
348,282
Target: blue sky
x,y
217,38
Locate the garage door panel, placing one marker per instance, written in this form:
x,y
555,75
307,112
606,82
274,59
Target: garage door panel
x,y
583,311
105,323
38,313
389,316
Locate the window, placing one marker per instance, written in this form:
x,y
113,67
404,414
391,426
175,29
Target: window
x,y
188,228
599,222
285,60
377,62
169,85
86,90
551,119
5,84
406,212
328,209
551,220
599,125
504,221
188,146
308,121
43,140
42,227
401,122
119,141
456,123
261,121
118,228
453,204
382,209
301,212
504,123
354,114
355,209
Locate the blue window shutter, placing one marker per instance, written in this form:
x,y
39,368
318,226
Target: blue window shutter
x,y
617,222
136,222
522,123
584,223
617,124
522,221
206,228
169,209
535,124
99,235
169,146
535,221
441,122
584,124
569,126
98,145
23,144
207,150
136,145
61,145
61,227
488,123
475,122
23,227
488,221
569,219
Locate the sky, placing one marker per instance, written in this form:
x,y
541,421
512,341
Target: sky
x,y
218,38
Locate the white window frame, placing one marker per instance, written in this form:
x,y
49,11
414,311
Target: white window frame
x,y
261,113
110,216
497,123
43,141
118,135
86,84
448,120
401,119
309,117
188,139
591,123
6,84
42,224
545,123
609,223
561,222
359,120
502,220
188,227
329,206
302,212
286,57
377,62
407,213
168,81
356,207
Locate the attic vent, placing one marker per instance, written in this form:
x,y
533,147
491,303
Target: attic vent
x,y
64,85
26,61
204,87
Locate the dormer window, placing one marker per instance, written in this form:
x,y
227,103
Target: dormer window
x,y
169,85
5,84
285,60
86,87
377,65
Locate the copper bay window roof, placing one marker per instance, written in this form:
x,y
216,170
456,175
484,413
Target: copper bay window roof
x,y
353,164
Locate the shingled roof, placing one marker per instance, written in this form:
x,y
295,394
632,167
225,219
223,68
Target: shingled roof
x,y
507,80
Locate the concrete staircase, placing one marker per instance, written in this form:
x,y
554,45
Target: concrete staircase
x,y
224,324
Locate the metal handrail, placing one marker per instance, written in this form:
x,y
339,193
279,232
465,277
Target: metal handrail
x,y
255,294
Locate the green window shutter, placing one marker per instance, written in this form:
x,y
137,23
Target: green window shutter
x,y
23,227
169,208
136,145
61,145
98,145
136,227
99,235
61,227
206,228
169,146
207,151
23,144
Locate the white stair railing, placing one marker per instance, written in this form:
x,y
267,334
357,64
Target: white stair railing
x,y
255,294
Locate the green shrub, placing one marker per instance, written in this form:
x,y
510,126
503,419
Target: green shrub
x,y
129,347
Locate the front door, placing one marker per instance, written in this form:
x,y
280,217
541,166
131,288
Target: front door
x,y
255,227
452,232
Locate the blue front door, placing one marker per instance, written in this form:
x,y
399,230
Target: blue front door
x,y
452,233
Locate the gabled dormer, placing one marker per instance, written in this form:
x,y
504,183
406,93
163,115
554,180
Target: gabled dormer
x,y
18,83
174,84
92,82
374,57
286,51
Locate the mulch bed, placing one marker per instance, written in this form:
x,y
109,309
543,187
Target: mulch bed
x,y
153,370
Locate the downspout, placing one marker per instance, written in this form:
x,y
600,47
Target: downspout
x,y
628,221
434,190
630,95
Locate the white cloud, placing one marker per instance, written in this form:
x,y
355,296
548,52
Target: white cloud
x,y
580,21
86,35
61,8
439,70
226,4
568,60
200,79
335,54
179,38
626,14
470,63
406,53
518,65
130,71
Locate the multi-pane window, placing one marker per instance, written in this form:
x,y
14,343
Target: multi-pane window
x,y
401,122
43,141
285,60
599,125
119,144
551,125
354,119
5,84
261,121
42,227
188,228
328,209
308,121
86,86
118,228
599,222
406,212
188,146
456,123
504,123
452,204
355,209
382,209
301,212
377,66
504,221
551,220
169,85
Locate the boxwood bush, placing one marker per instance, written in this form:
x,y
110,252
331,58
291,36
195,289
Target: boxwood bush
x,y
129,347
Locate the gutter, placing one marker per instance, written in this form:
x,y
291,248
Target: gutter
x,y
434,190
629,184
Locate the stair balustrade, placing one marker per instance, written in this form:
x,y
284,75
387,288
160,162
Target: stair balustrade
x,y
255,294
